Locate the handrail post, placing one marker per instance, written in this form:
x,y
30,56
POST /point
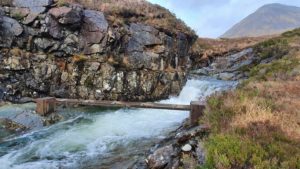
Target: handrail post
x,y
196,112
45,106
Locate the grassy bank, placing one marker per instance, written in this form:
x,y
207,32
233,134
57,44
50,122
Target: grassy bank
x,y
258,125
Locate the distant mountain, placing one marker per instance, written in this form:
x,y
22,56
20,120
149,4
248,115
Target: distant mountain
x,y
267,20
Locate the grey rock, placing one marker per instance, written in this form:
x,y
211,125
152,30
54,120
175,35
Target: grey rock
x,y
93,31
44,43
142,35
2,11
28,119
35,6
161,157
226,76
67,15
146,60
2,93
187,148
30,18
94,27
200,153
183,137
19,13
53,28
11,26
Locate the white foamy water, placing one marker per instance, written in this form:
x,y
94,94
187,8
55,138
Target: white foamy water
x,y
102,139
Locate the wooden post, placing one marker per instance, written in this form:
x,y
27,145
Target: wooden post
x,y
45,106
197,109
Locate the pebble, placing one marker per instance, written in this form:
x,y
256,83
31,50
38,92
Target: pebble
x,y
186,148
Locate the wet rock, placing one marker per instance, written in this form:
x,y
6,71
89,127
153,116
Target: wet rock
x,y
52,119
161,157
226,76
186,148
227,67
10,125
2,93
28,119
183,137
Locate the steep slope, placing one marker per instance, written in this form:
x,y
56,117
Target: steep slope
x,y
267,20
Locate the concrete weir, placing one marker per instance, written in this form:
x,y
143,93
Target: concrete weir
x,y
47,106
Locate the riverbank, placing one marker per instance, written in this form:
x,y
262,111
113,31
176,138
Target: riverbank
x,y
257,125
107,138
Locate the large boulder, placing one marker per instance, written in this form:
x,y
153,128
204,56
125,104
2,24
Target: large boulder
x,y
162,157
67,15
142,35
12,26
93,31
9,29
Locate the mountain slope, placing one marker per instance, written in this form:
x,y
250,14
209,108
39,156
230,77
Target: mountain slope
x,y
267,20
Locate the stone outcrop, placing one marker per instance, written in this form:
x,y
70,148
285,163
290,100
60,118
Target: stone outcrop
x,y
72,52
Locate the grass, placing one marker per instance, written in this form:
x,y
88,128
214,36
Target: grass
x,y
258,124
80,58
120,12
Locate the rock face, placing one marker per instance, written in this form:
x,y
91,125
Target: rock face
x,y
229,67
72,52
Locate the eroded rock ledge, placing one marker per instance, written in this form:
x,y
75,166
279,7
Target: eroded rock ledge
x,y
71,52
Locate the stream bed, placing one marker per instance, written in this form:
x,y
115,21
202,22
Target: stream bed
x,y
99,138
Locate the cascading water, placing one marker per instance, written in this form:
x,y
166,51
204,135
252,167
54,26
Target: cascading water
x,y
103,138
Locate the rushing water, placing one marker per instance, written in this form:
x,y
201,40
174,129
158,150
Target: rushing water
x,y
101,138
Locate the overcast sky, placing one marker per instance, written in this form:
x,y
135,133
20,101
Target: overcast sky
x,y
212,18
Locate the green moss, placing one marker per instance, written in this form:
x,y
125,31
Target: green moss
x,y
230,151
89,83
61,3
271,70
18,16
292,33
234,151
275,48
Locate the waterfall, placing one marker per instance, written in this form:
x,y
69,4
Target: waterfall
x,y
102,138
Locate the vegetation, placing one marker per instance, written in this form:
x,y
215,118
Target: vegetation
x,y
258,125
121,12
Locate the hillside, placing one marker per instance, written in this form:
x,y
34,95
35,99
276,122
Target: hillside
x,y
257,125
268,20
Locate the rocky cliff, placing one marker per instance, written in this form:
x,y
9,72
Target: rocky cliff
x,y
67,50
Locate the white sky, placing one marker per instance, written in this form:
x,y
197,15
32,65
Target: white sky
x,y
212,18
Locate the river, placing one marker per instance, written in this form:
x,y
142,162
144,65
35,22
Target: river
x,y
100,138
